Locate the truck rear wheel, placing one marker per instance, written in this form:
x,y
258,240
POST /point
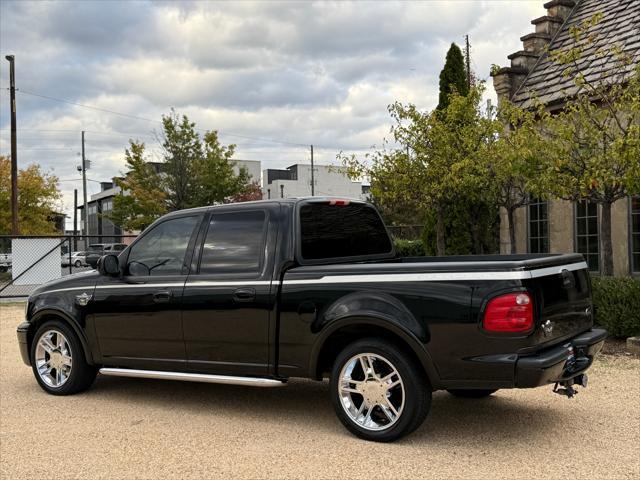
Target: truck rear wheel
x,y
470,393
378,392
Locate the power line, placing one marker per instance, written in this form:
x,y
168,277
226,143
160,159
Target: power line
x,y
135,117
91,107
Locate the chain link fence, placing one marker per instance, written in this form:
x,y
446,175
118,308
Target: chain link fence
x,y
26,262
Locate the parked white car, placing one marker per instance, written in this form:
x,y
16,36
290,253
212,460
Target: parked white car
x,y
5,262
78,259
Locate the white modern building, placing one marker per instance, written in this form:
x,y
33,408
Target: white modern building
x,y
253,168
295,181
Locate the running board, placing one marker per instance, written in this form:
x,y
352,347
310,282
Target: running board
x,y
193,377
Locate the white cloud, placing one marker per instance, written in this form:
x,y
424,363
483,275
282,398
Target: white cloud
x,y
321,73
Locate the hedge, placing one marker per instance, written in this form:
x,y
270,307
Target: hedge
x,y
409,248
617,305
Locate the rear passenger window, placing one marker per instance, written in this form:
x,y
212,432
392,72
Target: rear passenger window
x,y
336,230
235,243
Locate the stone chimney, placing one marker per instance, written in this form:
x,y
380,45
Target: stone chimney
x,y
506,80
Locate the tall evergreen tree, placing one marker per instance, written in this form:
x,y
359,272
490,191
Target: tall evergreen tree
x,y
453,77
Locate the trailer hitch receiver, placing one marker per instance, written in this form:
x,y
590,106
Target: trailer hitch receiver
x,y
567,386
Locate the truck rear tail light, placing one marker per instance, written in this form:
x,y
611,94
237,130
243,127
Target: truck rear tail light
x,y
509,313
339,202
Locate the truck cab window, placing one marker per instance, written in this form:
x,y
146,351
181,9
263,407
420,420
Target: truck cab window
x,y
161,251
234,243
331,230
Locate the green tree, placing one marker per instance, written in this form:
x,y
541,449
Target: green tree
x,y
594,143
453,77
514,161
214,178
450,147
182,151
38,198
142,199
442,176
197,170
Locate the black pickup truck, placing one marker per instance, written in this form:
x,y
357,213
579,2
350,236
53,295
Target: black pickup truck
x,y
259,292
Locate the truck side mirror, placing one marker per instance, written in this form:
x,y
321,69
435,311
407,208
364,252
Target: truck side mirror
x,y
109,265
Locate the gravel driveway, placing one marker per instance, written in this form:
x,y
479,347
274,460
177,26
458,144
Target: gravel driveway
x,y
127,428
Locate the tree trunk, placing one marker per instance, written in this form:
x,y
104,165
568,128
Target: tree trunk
x,y
512,230
606,254
440,247
476,228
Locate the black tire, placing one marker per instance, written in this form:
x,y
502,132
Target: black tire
x,y
471,393
80,376
77,264
417,390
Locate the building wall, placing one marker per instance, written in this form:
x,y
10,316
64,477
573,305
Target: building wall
x,y
521,234
561,226
620,236
562,232
99,207
252,166
328,181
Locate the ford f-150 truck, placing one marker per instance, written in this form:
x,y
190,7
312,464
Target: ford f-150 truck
x,y
260,292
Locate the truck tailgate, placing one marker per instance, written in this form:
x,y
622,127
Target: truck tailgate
x,y
563,299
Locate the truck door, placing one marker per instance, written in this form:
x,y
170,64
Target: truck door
x,y
137,316
229,298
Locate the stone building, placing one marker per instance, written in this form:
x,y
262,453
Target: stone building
x,y
557,225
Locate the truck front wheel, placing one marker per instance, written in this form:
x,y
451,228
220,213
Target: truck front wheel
x,y
378,392
58,360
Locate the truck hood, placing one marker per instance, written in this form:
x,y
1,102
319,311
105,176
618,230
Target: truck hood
x,y
76,280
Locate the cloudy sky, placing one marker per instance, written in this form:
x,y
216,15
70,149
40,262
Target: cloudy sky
x,y
271,77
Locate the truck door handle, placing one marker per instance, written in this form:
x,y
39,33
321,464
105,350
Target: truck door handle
x,y
162,296
244,295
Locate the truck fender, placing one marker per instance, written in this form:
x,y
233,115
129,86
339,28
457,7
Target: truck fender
x,y
372,304
65,317
375,309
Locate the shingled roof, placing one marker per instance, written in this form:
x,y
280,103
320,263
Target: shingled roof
x,y
534,76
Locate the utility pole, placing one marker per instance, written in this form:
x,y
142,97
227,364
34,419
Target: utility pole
x,y
85,210
75,219
313,181
14,147
468,57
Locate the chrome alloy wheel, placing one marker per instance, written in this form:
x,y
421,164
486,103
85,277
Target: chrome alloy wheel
x,y
371,391
53,358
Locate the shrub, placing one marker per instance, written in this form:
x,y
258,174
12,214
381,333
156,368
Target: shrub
x,y
617,305
409,248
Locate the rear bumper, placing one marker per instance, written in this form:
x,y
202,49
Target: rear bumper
x,y
559,363
22,332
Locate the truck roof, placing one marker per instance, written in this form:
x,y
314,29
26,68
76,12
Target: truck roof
x,y
290,200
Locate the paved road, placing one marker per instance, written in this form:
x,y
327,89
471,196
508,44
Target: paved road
x,y
124,428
